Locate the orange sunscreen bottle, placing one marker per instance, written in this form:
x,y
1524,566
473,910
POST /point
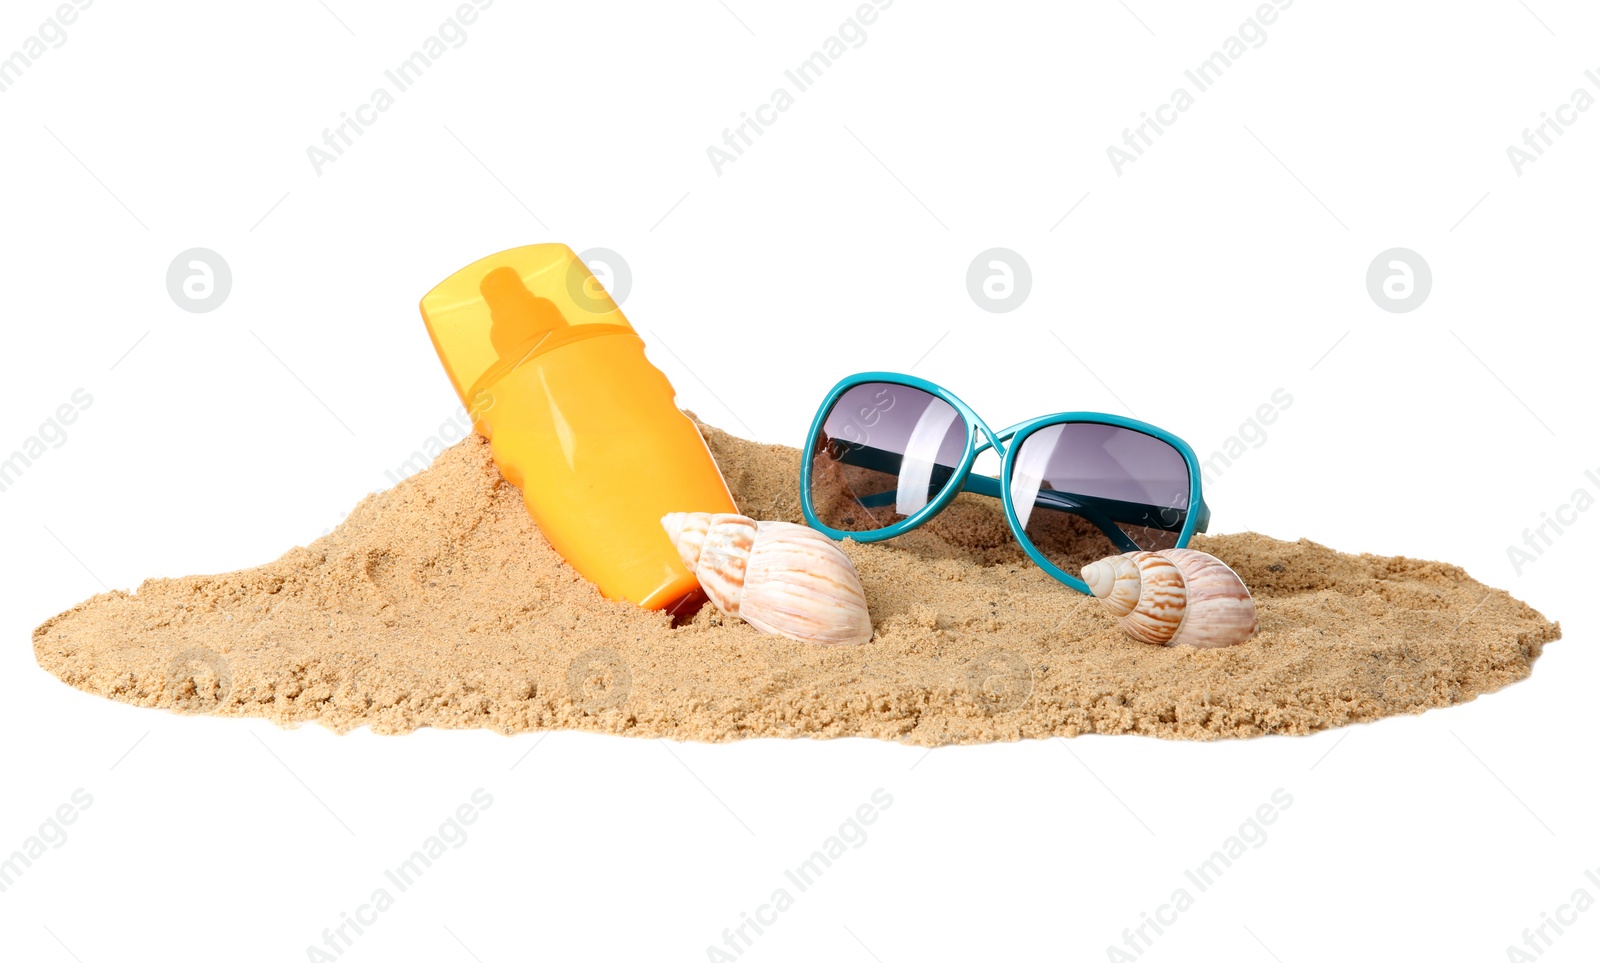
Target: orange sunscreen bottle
x,y
557,381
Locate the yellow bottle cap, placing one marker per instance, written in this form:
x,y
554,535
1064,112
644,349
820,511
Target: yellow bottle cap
x,y
495,313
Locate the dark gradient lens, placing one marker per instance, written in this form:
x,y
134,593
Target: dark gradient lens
x,y
1085,491
884,452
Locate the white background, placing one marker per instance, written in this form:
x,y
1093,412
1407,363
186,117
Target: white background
x,y
1226,263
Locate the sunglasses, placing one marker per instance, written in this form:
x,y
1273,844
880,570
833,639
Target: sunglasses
x,y
887,452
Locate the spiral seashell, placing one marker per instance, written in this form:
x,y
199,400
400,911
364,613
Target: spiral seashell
x,y
783,579
1174,597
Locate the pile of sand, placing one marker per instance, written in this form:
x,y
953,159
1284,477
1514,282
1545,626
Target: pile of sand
x,y
437,603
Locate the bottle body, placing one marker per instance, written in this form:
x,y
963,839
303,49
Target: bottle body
x,y
577,417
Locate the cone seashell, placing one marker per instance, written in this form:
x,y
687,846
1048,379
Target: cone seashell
x,y
1174,597
783,579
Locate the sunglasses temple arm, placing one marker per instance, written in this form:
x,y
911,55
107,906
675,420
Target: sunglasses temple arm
x,y
889,463
1059,501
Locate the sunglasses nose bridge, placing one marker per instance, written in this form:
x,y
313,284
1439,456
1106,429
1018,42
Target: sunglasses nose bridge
x,y
984,438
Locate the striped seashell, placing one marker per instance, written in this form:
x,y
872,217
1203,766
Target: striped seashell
x,y
783,579
1174,597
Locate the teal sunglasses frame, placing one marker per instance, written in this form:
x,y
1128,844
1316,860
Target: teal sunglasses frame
x,y
1007,442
